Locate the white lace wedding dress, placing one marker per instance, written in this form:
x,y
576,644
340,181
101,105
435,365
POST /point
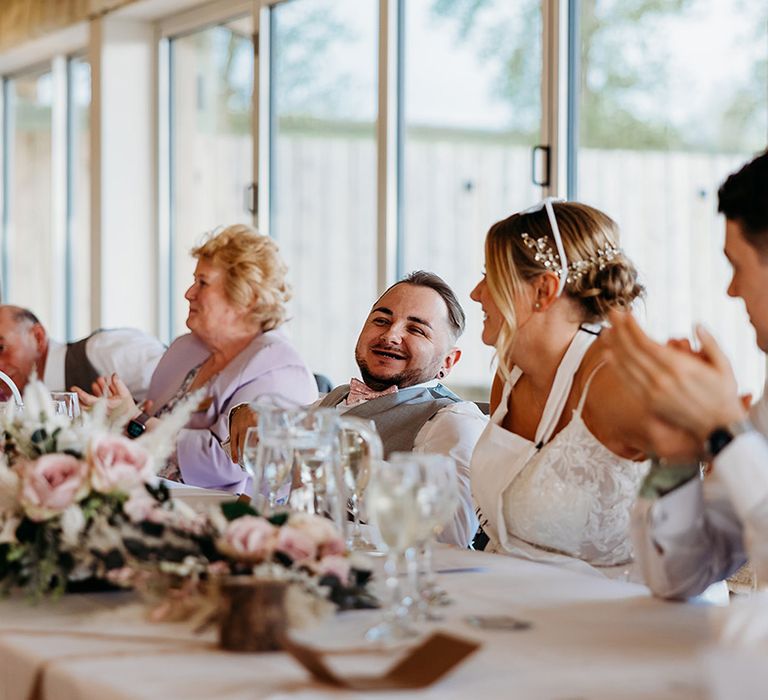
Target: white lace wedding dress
x,y
564,499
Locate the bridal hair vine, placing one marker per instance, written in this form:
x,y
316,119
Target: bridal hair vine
x,y
544,254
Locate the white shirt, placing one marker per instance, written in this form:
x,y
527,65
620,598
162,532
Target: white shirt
x,y
453,431
701,532
129,352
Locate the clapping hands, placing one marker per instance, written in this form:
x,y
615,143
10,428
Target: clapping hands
x,y
693,391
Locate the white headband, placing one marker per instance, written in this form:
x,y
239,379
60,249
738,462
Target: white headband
x,y
546,204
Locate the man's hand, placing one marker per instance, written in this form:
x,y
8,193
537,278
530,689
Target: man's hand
x,y
676,445
693,391
240,419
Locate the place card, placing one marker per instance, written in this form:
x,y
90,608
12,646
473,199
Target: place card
x,y
423,665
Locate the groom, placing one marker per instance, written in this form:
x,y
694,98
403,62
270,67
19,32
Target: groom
x,y
406,346
691,532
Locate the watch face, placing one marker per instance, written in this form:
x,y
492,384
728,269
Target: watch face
x,y
718,439
134,429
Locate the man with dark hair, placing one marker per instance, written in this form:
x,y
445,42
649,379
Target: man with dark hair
x,y
405,348
691,532
26,348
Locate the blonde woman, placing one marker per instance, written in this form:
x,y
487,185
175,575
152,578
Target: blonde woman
x,y
234,351
558,467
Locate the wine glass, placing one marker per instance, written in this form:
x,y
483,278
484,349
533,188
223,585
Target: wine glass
x,y
66,403
356,466
436,501
392,507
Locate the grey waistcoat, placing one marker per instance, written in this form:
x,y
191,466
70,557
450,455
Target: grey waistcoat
x,y
398,417
78,370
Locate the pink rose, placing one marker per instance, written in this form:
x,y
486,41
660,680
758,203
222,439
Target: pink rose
x,y
321,530
140,506
51,484
118,464
250,538
334,566
295,543
333,547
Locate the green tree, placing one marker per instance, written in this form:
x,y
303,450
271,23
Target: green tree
x,y
620,60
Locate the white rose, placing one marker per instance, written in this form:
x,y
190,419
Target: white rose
x,y
72,525
8,525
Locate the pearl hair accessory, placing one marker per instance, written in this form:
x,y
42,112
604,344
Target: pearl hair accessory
x,y
543,253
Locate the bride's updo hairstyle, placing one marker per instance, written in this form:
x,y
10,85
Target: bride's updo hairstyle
x,y
521,247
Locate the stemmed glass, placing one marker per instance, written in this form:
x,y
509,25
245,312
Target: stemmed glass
x,y
356,467
436,501
392,506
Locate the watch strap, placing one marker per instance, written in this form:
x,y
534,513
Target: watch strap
x,y
137,425
722,436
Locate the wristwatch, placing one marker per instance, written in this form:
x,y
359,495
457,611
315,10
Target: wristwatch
x,y
136,426
722,436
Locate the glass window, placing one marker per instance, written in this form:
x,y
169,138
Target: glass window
x,y
211,143
663,120
29,278
472,112
79,219
323,179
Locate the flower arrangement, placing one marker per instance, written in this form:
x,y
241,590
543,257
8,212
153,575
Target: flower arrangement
x,y
163,540
63,491
82,501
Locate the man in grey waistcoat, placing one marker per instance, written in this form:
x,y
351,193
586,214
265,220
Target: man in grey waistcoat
x,y
406,347
25,347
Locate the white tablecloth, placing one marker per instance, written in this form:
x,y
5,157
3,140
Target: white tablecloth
x,y
591,639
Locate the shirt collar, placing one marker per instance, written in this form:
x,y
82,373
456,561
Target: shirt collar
x,y
53,375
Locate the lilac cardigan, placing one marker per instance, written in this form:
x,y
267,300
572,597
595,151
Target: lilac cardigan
x,y
268,365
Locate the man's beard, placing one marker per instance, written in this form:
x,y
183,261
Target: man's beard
x,y
401,380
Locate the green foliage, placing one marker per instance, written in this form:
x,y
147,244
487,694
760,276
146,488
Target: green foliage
x,y
233,510
624,72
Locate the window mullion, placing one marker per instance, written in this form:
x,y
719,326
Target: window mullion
x,y
60,279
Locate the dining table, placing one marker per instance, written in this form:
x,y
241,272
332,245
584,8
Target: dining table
x,y
576,636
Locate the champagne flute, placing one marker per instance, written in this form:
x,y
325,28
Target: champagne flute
x,y
356,465
391,502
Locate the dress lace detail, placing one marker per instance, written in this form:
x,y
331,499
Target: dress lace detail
x,y
566,494
575,496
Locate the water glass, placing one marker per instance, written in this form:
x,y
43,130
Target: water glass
x,y
253,464
66,403
276,461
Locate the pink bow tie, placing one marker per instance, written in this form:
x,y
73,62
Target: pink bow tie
x,y
360,392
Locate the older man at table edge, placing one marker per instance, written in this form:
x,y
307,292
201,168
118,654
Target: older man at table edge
x,y
25,347
406,346
691,532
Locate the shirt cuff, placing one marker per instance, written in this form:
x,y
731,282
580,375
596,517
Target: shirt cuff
x,y
742,467
673,515
663,478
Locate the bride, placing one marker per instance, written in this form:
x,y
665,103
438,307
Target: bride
x,y
558,467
